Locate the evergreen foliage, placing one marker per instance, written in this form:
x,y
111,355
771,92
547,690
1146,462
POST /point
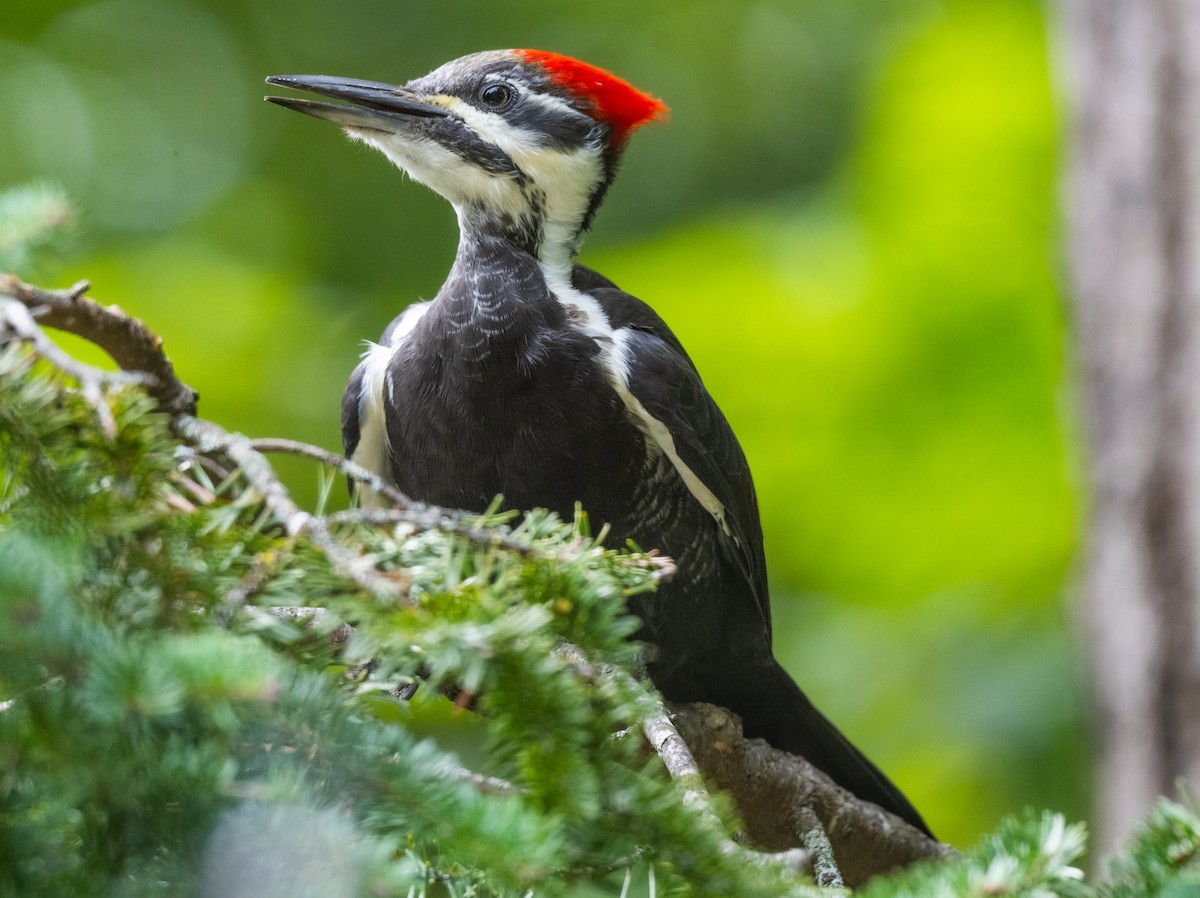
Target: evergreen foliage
x,y
166,732
1029,855
163,732
1163,857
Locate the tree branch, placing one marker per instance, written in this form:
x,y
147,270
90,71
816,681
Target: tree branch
x,y
129,343
676,756
16,319
406,510
209,438
771,788
351,469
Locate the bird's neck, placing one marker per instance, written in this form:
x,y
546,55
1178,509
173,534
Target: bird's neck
x,y
511,247
549,212
498,293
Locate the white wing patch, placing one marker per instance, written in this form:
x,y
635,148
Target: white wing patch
x,y
374,449
615,353
658,432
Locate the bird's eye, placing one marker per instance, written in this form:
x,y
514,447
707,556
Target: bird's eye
x,y
497,95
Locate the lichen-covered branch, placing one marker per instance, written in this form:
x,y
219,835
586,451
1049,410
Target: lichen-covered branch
x,y
676,756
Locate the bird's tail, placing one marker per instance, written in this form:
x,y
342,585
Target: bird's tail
x,y
782,714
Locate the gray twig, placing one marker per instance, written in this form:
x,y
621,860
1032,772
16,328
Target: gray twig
x,y
209,438
813,837
351,469
664,738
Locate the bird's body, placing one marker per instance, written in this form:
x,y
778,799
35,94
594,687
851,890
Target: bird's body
x,y
531,377
524,401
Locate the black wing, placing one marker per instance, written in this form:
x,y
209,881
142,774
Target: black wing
x,y
666,382
755,687
351,429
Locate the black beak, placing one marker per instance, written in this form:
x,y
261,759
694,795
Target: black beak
x,y
380,107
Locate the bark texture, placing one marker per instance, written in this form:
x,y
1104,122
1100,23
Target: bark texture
x,y
1132,75
773,790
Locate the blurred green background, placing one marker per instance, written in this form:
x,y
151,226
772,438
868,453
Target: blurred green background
x,y
849,220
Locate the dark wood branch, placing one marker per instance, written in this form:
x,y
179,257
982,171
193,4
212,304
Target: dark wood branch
x,y
788,807
771,788
129,343
664,738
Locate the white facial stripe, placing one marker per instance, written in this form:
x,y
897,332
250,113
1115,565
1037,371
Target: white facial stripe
x,y
563,179
615,356
567,180
373,451
491,127
496,129
442,171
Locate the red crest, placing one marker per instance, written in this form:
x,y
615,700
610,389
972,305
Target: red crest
x,y
618,102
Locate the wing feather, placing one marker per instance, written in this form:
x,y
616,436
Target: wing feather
x,y
666,382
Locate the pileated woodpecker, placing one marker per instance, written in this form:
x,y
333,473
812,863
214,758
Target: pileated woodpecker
x,y
536,378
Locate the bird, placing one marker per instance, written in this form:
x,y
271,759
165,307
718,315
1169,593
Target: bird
x,y
535,378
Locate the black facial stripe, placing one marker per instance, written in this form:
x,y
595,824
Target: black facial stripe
x,y
461,140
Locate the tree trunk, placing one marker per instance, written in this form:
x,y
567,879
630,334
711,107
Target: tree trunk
x,y
1133,164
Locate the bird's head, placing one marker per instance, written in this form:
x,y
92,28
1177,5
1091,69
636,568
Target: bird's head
x,y
523,143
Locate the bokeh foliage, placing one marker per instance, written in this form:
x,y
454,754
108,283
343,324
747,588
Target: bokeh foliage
x,y
848,220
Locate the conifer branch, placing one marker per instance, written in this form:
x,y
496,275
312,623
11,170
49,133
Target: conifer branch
x,y
697,742
406,510
486,785
124,650
209,438
677,758
35,219
351,469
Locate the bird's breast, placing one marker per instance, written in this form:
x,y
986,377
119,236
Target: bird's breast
x,y
535,419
